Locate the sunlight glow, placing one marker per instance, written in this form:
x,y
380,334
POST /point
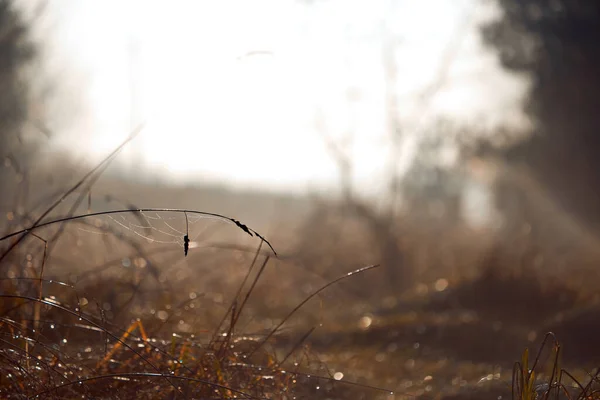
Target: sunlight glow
x,y
231,90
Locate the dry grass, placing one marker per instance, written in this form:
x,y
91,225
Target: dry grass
x,y
91,309
57,344
67,353
115,336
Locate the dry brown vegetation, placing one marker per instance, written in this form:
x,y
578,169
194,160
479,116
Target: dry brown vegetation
x,y
109,306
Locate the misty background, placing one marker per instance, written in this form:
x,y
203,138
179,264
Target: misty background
x,y
454,142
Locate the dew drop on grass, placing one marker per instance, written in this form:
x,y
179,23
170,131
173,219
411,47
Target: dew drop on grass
x,y
162,315
365,322
52,326
441,285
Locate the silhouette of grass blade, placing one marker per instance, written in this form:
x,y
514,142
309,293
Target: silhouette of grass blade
x,y
39,225
76,186
307,299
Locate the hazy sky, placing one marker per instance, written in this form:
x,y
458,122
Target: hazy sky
x,y
231,90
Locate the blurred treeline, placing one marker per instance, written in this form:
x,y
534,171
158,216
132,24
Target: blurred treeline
x,y
556,44
546,187
17,52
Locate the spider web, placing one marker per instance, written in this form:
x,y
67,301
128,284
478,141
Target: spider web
x,y
140,230
166,228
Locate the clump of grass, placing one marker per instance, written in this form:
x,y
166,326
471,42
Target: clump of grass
x,y
528,383
97,359
64,352
52,346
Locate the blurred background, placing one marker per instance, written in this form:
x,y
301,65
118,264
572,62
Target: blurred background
x,y
451,141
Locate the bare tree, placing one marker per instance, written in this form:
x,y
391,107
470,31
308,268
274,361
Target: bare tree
x,y
381,221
